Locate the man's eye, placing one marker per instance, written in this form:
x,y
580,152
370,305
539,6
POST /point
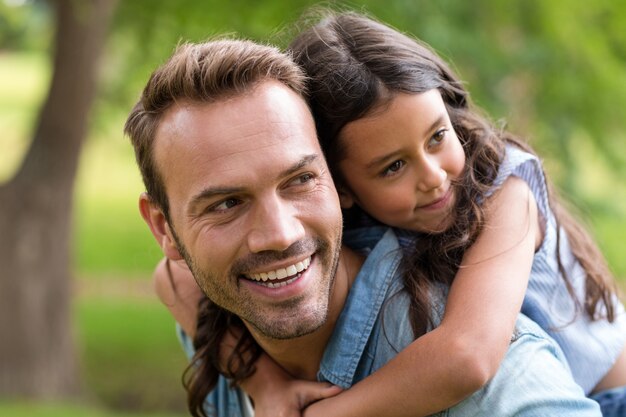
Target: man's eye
x,y
304,178
225,205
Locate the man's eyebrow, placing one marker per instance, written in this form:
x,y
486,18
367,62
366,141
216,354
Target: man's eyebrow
x,y
212,192
304,161
218,191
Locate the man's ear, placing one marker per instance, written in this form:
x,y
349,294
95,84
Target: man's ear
x,y
155,219
346,199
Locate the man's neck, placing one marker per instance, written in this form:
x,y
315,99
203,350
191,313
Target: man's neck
x,y
301,357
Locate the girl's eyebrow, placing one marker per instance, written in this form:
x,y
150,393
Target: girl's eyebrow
x,y
379,160
441,119
438,121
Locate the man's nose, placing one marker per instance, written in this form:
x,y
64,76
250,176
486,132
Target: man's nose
x,y
430,174
276,226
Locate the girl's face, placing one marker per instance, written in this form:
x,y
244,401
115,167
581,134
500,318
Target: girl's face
x,y
400,163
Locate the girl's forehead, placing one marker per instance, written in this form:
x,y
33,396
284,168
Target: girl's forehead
x,y
411,109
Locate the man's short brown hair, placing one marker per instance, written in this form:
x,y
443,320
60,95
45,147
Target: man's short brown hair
x,y
203,73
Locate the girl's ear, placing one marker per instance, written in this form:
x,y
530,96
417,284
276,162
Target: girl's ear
x,y
160,228
346,200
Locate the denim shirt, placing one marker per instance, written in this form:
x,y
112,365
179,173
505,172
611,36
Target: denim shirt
x,y
533,380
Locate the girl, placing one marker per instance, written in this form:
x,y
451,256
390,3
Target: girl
x,y
473,210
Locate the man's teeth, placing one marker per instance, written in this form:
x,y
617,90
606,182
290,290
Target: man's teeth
x,y
281,273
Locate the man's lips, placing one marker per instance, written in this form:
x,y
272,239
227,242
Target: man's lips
x,y
280,277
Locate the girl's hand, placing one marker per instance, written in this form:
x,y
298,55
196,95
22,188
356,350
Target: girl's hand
x,y
276,394
290,397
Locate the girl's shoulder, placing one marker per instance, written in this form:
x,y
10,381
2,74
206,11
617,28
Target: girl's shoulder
x,y
515,161
528,167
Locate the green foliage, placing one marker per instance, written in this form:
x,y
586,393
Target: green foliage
x,y
550,68
24,25
22,85
145,33
110,237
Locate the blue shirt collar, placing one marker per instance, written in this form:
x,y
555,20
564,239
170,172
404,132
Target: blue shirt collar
x,y
367,294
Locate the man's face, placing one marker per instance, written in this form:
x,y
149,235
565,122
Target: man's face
x,y
253,206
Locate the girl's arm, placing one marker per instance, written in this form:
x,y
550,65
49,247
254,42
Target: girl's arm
x,y
448,364
178,291
273,391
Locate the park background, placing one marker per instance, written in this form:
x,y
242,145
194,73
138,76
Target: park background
x,y
555,71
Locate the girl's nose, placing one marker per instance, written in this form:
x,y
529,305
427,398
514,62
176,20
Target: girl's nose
x,y
430,175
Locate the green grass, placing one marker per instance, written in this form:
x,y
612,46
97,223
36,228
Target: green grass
x,y
131,359
22,409
131,363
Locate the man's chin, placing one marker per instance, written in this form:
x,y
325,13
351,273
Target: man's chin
x,y
288,329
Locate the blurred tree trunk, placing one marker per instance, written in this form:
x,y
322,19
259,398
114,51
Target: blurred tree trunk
x,y
37,354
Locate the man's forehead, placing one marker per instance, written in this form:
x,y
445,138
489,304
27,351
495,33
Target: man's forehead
x,y
268,109
271,123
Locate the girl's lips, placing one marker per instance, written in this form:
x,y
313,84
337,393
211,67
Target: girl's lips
x,y
439,203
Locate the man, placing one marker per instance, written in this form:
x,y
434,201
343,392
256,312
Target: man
x,y
238,189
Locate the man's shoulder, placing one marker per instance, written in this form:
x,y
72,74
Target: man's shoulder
x,y
365,239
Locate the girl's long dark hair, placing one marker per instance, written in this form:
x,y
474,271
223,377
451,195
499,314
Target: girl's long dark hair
x,y
201,376
355,65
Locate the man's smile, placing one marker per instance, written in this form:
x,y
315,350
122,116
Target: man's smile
x,y
282,276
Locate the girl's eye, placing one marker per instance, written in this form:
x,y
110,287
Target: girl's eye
x,y
393,168
438,137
